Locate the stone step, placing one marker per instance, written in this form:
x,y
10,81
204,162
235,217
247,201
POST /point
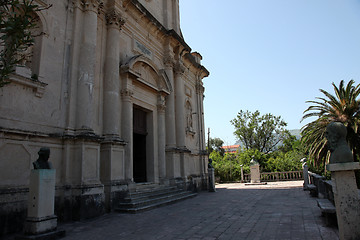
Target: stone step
x,y
147,205
153,195
138,196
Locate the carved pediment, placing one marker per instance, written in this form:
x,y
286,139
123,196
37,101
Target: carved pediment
x,y
145,72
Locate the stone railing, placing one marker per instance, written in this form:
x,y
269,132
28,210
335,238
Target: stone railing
x,y
281,176
277,176
320,187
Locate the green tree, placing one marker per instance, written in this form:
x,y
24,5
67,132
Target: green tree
x,y
262,132
215,144
342,107
16,25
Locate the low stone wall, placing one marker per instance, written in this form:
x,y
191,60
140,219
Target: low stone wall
x,y
323,187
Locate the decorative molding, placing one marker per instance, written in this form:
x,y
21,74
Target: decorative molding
x,y
169,62
179,68
161,103
125,3
190,131
126,93
92,5
113,18
199,88
38,86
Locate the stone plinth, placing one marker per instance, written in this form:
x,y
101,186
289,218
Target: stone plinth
x,y
255,173
346,198
211,180
306,176
41,219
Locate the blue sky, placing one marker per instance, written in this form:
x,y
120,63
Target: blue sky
x,y
270,55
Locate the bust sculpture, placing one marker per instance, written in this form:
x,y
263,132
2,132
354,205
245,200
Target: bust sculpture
x,y
336,137
303,162
42,162
254,161
210,163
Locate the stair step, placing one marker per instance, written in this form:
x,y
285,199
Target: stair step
x,y
139,202
149,195
163,202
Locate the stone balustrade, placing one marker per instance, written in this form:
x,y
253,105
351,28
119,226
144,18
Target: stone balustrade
x,y
281,176
275,176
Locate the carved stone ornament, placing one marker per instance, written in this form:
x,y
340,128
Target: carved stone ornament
x,y
179,68
199,88
113,18
169,61
92,5
126,93
161,103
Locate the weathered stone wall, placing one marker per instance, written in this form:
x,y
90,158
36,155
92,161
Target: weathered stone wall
x,y
96,61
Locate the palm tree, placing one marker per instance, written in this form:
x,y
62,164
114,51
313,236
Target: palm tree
x,y
343,107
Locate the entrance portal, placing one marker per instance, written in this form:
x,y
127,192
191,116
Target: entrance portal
x,y
139,145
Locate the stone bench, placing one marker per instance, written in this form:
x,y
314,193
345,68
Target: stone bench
x,y
328,210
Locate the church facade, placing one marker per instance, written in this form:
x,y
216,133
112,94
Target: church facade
x,y
115,92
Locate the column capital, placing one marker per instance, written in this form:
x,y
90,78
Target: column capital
x,y
92,5
169,62
179,68
199,88
114,19
161,106
126,93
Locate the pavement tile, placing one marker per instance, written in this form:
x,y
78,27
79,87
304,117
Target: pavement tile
x,y
280,210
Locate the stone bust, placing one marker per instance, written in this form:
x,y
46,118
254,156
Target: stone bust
x,y
42,162
254,162
210,163
336,137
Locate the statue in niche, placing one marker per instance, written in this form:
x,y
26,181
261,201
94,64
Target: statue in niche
x,y
336,142
42,162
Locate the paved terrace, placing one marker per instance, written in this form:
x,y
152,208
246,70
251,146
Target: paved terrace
x,y
279,210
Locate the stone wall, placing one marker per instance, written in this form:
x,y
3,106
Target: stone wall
x,y
96,62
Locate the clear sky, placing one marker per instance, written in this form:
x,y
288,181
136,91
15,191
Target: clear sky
x,y
270,55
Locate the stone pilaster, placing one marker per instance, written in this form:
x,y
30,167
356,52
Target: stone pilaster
x,y
170,121
161,137
111,114
127,130
170,106
201,129
112,148
180,106
86,69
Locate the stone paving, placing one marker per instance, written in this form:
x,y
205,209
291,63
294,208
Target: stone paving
x,y
280,210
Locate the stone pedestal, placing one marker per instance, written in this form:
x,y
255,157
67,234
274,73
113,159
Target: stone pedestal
x,y
41,221
211,173
306,176
255,173
346,198
242,174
